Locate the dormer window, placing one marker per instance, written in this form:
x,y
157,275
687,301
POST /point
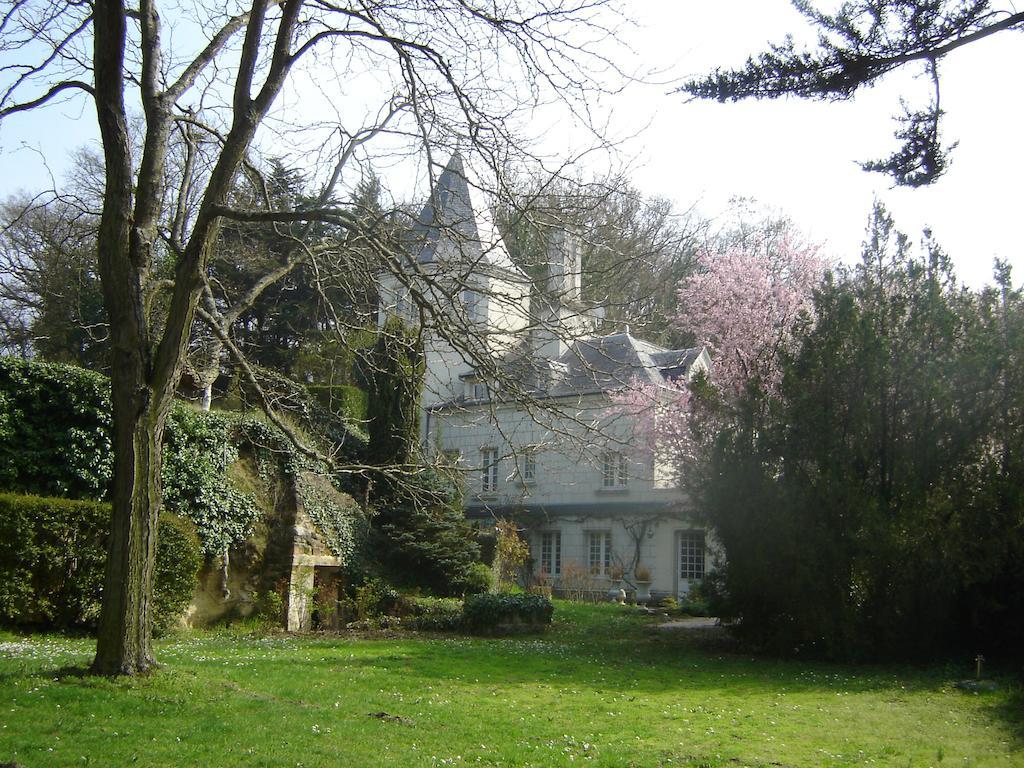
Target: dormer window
x,y
476,389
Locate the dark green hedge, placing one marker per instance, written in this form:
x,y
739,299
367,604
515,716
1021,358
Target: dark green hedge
x,y
493,612
52,556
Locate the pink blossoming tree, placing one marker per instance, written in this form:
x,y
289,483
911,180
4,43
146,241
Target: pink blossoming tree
x,y
743,303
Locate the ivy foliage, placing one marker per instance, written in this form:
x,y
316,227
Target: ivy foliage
x,y
337,516
198,449
54,430
52,559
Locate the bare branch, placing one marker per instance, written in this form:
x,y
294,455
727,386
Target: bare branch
x,y
55,90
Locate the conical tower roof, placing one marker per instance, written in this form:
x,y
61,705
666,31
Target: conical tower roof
x,y
452,229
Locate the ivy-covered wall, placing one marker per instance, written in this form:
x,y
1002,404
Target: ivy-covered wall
x,y
233,475
55,441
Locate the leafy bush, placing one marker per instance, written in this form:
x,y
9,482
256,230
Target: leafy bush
x,y
52,557
178,559
51,560
375,599
510,554
478,579
669,603
493,612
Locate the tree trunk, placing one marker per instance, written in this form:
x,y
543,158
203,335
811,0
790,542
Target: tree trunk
x,y
144,377
124,644
207,398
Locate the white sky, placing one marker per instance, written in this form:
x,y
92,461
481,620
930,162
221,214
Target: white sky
x,y
793,156
801,156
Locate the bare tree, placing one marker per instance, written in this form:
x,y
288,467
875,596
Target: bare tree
x,y
444,59
634,249
50,301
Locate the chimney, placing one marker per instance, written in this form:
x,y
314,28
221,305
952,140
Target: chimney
x,y
564,266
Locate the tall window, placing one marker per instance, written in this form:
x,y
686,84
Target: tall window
x,y
402,304
488,470
691,554
599,549
529,466
551,553
614,470
471,299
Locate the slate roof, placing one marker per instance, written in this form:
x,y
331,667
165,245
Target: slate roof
x,y
453,230
594,365
603,363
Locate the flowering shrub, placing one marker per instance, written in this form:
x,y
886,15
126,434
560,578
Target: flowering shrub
x,y
745,304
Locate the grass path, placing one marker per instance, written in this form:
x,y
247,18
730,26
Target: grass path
x,y
603,688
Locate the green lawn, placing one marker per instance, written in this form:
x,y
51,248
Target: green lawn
x,y
602,688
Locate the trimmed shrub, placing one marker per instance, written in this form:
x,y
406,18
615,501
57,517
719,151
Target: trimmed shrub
x,y
178,559
502,611
436,614
54,430
52,557
51,560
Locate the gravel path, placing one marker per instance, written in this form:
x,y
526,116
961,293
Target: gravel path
x,y
691,622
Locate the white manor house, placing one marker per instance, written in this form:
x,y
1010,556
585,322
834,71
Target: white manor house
x,y
557,456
